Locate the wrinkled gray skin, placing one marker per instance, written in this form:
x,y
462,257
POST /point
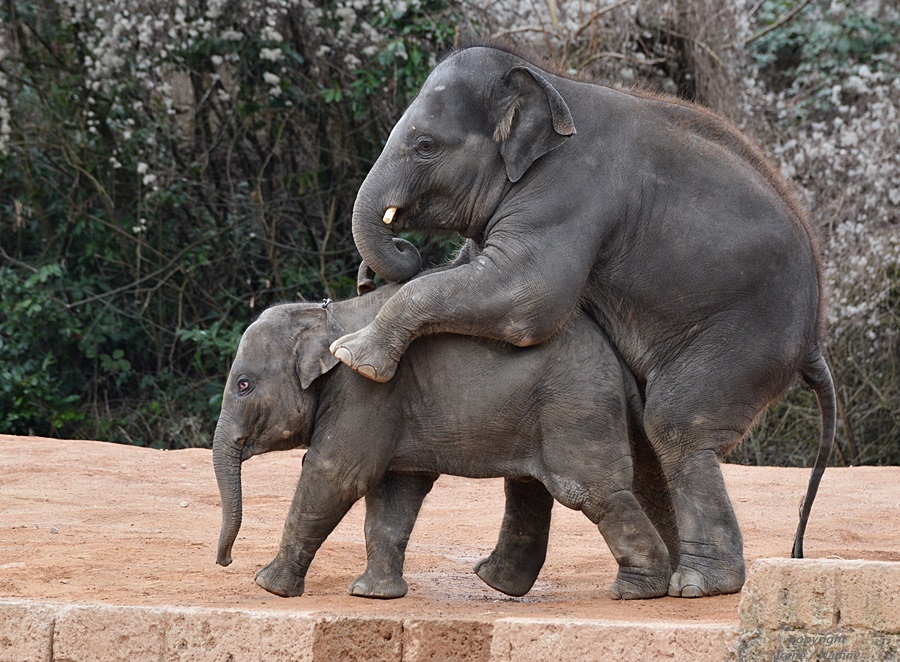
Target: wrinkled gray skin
x,y
654,215
557,420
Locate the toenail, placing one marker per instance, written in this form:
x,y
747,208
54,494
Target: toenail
x,y
343,355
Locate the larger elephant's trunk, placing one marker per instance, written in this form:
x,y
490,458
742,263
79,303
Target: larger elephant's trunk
x,y
391,258
227,463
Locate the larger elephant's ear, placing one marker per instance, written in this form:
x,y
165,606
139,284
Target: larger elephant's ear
x,y
316,329
533,120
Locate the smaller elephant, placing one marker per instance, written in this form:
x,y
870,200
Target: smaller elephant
x,y
556,420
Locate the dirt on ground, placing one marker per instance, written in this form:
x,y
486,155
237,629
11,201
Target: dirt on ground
x,y
84,521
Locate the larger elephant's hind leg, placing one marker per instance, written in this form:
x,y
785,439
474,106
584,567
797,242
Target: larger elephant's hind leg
x,y
686,436
516,561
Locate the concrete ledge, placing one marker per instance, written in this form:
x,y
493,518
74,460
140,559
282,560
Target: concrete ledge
x,y
789,610
39,632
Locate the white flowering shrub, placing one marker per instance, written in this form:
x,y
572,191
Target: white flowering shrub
x,y
827,83
690,48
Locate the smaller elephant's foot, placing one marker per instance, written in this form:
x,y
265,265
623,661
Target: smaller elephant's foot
x,y
506,575
384,587
280,579
706,581
363,352
636,584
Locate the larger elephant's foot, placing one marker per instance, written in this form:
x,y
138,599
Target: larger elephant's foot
x,y
637,584
706,577
383,587
365,353
513,576
281,579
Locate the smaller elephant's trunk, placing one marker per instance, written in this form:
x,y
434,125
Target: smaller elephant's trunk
x,y
227,464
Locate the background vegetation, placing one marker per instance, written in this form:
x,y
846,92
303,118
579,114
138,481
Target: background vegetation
x,y
167,170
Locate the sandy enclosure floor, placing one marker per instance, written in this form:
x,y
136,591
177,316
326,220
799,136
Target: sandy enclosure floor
x,y
86,521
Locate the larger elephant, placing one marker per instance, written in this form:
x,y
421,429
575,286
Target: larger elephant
x,y
653,214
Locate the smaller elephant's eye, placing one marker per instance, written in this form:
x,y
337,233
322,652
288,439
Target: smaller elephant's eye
x,y
243,385
425,146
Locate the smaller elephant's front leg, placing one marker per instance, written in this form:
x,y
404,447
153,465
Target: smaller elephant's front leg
x,y
322,499
391,510
516,561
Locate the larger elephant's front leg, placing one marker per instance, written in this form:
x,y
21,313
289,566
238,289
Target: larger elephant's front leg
x,y
391,510
514,295
325,493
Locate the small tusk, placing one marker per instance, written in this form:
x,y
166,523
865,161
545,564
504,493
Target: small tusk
x,y
389,215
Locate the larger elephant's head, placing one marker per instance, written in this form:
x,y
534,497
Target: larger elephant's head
x,y
269,400
481,121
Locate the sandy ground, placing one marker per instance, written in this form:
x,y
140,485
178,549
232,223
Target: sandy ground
x,y
85,521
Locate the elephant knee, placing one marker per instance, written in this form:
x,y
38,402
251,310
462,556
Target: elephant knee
x,y
353,478
663,433
531,326
360,479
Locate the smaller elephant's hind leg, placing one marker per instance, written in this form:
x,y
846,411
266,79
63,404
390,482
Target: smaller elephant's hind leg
x,y
391,510
636,545
652,493
516,561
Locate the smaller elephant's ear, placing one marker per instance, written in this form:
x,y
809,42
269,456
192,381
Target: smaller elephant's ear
x,y
316,330
534,119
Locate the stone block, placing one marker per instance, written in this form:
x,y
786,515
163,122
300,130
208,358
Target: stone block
x,y
870,595
527,640
26,632
820,609
362,639
201,635
796,594
97,633
446,640
819,595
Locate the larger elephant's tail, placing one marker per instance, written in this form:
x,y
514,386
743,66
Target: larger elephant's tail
x,y
818,377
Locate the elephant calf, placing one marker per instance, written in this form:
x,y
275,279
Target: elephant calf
x,y
553,419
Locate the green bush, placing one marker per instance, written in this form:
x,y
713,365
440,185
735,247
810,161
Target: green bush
x,y
164,176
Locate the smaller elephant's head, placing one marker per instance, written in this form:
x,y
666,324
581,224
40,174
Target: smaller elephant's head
x,y
269,398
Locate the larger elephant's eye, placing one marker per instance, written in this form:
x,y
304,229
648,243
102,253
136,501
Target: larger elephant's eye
x,y
244,386
425,146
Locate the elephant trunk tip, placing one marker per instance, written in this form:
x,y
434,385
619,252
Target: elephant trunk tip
x,y
394,259
223,555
